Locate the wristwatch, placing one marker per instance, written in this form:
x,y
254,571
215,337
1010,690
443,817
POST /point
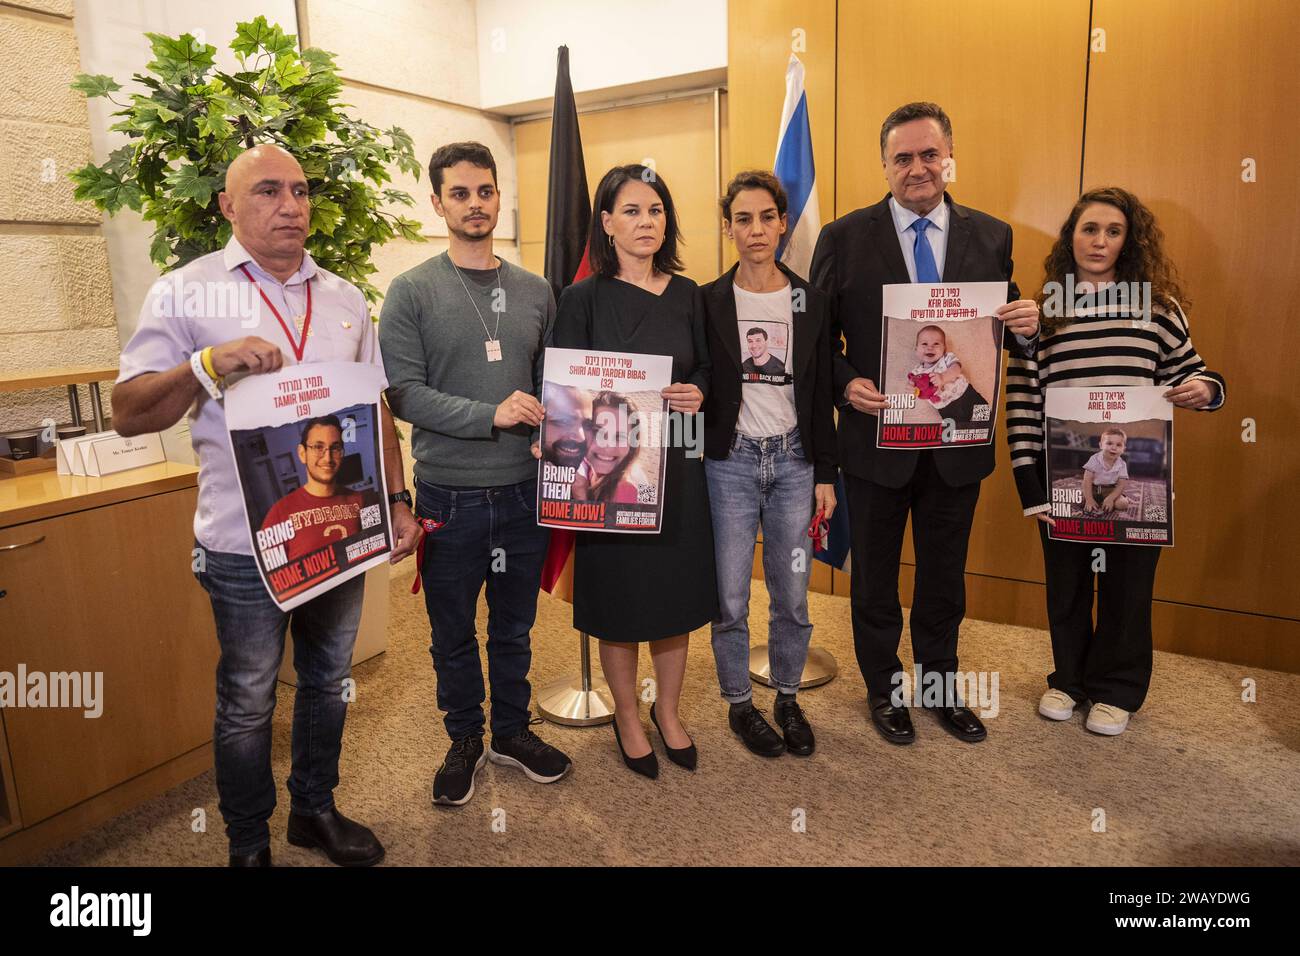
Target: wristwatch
x,y
403,496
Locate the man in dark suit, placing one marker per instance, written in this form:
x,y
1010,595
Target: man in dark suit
x,y
915,234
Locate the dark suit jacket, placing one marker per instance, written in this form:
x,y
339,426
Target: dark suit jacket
x,y
810,365
857,254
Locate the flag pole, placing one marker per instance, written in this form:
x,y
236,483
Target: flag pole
x,y
794,168
584,700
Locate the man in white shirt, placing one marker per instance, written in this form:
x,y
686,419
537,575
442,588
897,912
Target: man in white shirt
x,y
187,330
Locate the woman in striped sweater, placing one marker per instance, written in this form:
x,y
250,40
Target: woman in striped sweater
x,y
1109,243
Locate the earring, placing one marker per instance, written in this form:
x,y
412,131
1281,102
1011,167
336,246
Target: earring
x,y
611,240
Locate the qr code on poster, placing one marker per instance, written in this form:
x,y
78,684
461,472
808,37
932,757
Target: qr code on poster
x,y
370,516
980,413
646,494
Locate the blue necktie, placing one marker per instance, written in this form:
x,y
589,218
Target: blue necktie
x,y
926,270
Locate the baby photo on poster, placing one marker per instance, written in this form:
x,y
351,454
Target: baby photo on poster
x,y
940,364
310,462
602,465
1110,454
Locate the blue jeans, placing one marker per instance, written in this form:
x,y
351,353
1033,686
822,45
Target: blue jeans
x,y
767,482
489,535
250,630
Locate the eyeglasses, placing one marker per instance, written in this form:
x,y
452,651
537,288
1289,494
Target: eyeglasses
x,y
320,450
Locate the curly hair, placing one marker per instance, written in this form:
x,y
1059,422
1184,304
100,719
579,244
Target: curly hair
x,y
1142,258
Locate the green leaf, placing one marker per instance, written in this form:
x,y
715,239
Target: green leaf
x,y
318,60
188,183
325,215
180,59
258,35
160,250
95,85
287,71
305,132
215,126
108,192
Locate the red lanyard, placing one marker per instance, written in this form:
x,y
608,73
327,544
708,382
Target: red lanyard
x,y
429,526
298,347
819,531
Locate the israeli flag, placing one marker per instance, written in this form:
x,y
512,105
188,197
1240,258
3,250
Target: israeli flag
x,y
794,167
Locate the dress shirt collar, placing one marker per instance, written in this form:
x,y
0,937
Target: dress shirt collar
x,y
236,255
903,217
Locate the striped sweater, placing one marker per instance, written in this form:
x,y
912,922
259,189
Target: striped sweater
x,y
1101,346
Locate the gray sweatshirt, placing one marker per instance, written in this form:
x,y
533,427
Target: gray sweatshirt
x,y
439,376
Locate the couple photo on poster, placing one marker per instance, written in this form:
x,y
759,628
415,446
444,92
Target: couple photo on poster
x,y
1110,454
940,364
310,462
602,464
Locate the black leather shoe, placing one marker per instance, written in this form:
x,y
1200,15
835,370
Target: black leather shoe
x,y
647,766
261,858
682,756
344,841
794,725
894,723
747,721
962,723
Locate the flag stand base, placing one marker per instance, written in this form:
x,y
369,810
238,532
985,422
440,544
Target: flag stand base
x,y
581,701
820,668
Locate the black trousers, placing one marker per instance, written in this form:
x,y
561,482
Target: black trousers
x,y
941,523
1109,662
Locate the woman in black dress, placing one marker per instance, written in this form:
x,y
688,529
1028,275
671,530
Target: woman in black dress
x,y
657,588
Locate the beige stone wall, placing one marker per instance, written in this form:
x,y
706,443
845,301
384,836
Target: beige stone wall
x,y
54,276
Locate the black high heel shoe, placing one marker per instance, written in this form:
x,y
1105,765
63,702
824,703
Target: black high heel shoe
x,y
647,766
682,756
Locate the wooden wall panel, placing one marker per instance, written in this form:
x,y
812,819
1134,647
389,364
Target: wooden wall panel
x,y
1011,77
678,134
1182,95
760,39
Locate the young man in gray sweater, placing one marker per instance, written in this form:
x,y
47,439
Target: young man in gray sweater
x,y
463,337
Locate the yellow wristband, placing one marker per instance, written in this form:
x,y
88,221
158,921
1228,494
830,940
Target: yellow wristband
x,y
207,364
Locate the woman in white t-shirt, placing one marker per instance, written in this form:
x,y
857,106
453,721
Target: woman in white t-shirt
x,y
769,445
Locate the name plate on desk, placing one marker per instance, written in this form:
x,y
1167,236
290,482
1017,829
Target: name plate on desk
x,y
111,455
70,461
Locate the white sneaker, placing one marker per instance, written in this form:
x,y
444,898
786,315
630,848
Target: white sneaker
x,y
1107,719
1056,705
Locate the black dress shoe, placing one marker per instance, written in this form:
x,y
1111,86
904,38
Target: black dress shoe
x,y
747,721
344,841
962,723
794,725
682,756
894,723
261,858
647,766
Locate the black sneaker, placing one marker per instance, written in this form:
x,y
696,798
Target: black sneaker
x,y
794,725
531,754
453,784
747,721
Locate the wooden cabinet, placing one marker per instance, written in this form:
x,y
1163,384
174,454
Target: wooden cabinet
x,y
104,591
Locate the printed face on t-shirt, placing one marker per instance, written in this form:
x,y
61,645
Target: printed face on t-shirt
x,y
757,342
322,453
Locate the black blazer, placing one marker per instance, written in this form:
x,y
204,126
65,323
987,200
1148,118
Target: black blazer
x,y
813,399
857,254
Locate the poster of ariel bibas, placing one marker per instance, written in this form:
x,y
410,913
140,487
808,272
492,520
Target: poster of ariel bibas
x,y
602,436
1110,464
308,452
